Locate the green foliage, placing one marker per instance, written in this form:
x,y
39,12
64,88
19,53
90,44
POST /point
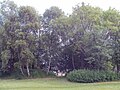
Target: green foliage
x,y
40,74
89,38
37,73
16,74
90,76
34,74
5,56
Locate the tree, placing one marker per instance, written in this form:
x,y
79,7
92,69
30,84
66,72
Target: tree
x,y
111,24
89,38
27,35
9,25
50,38
20,35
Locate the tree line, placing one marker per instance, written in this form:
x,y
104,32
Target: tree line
x,y
89,38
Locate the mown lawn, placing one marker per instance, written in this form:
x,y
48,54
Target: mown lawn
x,y
55,84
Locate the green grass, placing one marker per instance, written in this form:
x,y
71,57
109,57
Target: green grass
x,y
55,84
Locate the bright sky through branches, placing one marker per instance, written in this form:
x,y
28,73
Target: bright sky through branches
x,y
66,5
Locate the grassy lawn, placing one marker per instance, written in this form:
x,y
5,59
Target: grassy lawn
x,y
55,84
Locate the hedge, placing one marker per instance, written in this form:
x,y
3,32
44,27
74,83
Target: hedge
x,y
90,76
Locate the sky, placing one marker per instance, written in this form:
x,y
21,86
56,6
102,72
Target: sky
x,y
66,5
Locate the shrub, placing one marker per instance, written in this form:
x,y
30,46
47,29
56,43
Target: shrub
x,y
34,73
89,76
37,73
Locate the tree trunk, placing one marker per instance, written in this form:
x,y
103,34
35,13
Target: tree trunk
x,y
21,70
118,68
49,66
73,63
49,62
28,72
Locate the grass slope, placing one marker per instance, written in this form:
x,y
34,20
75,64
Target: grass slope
x,y
55,84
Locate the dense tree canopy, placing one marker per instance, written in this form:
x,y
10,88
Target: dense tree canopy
x,y
89,38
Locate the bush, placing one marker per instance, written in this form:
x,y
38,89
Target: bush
x,y
34,73
90,76
37,73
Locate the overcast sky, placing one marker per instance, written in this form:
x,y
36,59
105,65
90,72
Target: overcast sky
x,y
66,5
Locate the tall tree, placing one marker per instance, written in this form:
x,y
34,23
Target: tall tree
x,y
50,37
